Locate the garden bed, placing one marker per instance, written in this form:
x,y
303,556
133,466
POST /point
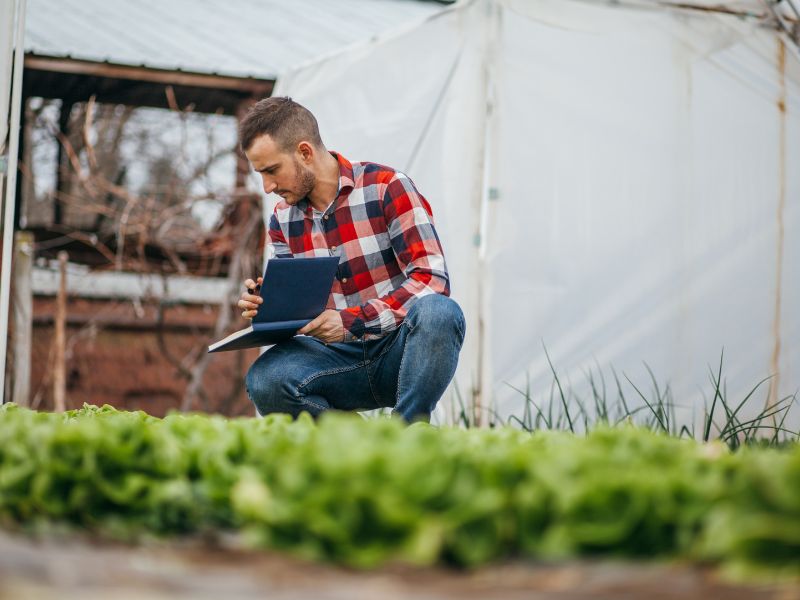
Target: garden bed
x,y
371,493
69,568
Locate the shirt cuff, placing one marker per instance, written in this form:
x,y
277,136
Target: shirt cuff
x,y
353,325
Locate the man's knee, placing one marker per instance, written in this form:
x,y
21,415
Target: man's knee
x,y
438,313
269,383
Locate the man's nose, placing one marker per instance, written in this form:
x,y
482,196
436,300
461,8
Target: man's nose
x,y
269,185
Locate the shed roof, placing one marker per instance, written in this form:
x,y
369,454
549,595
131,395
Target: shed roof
x,y
240,38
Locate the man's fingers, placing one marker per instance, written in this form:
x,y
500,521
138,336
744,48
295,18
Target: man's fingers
x,y
253,286
249,301
244,305
327,327
311,328
308,329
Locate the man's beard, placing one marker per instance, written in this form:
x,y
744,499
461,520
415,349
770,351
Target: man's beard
x,y
304,180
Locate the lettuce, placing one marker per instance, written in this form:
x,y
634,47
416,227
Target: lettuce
x,y
366,492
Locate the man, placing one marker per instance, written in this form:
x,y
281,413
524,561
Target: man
x,y
390,336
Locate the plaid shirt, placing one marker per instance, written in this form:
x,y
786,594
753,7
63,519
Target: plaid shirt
x,y
382,229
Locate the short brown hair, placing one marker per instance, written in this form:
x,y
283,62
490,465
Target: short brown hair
x,y
283,119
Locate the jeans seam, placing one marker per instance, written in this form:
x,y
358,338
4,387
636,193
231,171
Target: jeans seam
x,y
369,377
389,347
400,368
311,378
306,400
462,329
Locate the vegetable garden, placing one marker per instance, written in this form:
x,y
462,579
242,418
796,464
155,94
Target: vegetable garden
x,y
365,493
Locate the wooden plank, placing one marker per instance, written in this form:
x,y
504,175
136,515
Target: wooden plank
x,y
22,311
258,87
60,366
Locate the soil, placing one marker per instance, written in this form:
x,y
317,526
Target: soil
x,y
71,568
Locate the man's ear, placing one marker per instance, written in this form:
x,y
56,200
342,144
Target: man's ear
x,y
306,152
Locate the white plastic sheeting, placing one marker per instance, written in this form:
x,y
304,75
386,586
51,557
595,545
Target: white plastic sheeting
x,y
618,183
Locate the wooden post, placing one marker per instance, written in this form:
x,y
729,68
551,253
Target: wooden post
x,y
242,164
22,311
60,366
62,162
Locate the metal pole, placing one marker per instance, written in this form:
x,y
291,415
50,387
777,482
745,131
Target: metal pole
x,y
11,189
481,399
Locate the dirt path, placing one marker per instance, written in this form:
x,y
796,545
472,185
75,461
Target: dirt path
x,y
72,569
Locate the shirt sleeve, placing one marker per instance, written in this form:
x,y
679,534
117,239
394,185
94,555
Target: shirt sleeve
x,y
277,246
419,253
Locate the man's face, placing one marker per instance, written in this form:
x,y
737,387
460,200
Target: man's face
x,y
284,173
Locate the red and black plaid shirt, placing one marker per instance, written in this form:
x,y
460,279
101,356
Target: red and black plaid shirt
x,y
382,229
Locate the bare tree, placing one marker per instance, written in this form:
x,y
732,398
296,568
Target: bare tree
x,y
151,229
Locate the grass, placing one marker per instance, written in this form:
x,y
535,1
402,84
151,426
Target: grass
x,y
626,403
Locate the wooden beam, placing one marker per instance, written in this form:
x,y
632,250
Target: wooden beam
x,y
242,164
22,309
60,341
111,323
257,87
63,168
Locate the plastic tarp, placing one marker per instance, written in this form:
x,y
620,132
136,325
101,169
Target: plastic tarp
x,y
615,183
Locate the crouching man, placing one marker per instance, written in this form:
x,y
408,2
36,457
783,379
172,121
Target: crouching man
x,y
390,336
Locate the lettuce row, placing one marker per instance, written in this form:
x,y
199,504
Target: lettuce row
x,y
364,492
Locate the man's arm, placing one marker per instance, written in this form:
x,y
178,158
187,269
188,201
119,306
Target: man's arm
x,y
277,246
419,253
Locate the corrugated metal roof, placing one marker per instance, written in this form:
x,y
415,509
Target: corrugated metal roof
x,y
244,38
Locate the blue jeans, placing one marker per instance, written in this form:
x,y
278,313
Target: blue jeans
x,y
407,370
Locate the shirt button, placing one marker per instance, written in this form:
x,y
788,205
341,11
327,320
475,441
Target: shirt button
x,y
333,248
344,279
326,217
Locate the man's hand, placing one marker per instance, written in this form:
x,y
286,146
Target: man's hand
x,y
250,299
327,327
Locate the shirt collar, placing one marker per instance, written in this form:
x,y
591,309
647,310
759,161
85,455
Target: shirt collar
x,y
346,184
346,180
